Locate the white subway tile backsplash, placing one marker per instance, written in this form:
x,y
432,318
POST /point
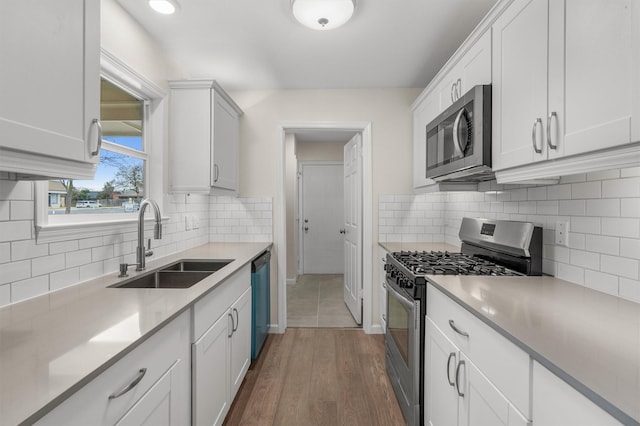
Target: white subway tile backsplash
x,y
570,273
47,264
92,270
621,227
31,287
629,289
576,241
27,249
15,271
603,207
5,253
585,259
90,242
547,207
586,190
559,192
630,172
603,175
77,258
620,188
585,225
537,193
603,244
63,247
630,207
630,247
16,190
5,294
5,210
21,210
605,283
62,279
620,266
15,230
572,207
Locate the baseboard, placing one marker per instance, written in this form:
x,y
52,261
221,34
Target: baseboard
x,y
291,281
273,329
376,329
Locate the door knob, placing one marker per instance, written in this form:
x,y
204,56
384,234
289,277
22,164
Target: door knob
x,y
306,229
342,231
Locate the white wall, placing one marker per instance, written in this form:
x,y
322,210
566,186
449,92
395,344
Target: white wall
x,y
389,111
603,211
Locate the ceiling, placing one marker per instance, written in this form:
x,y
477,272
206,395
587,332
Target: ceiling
x,y
257,44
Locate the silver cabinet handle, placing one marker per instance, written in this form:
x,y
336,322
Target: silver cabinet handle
x,y
452,355
216,172
533,135
551,116
457,330
453,91
459,88
384,285
233,325
384,317
460,364
130,386
97,123
237,322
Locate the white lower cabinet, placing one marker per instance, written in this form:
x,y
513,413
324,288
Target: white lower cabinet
x,y
149,386
221,352
556,403
456,392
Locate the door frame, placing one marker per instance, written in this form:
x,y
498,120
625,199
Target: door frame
x,y
363,127
299,204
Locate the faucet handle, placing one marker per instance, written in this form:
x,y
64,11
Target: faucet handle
x,y
148,252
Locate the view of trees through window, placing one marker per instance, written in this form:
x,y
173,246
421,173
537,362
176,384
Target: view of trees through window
x,y
119,182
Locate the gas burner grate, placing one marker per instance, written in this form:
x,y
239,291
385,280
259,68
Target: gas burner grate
x,y
448,263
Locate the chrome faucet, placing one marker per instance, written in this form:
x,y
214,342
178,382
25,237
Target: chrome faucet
x,y
141,251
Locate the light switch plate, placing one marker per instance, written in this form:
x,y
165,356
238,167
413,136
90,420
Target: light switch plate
x,y
562,233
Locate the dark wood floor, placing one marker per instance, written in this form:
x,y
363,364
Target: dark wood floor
x,y
316,376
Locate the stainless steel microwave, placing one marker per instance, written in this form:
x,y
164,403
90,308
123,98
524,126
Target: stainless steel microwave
x,y
459,139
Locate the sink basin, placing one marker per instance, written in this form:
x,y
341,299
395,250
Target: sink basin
x,y
198,265
165,279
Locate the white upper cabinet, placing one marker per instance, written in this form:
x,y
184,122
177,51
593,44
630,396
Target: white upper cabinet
x,y
50,88
565,82
470,66
204,134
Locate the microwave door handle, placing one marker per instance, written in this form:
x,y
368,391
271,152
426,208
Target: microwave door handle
x,y
457,145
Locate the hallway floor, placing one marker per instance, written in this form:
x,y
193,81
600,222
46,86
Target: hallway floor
x,y
318,301
317,377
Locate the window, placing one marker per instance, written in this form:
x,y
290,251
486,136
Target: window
x,y
132,115
119,183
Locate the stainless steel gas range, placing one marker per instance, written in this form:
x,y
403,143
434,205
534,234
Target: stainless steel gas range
x,y
489,247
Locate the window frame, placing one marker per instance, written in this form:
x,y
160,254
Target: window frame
x,y
84,226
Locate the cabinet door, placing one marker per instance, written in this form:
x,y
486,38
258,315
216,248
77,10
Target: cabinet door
x,y
190,139
382,302
557,403
475,65
520,83
441,405
224,153
590,75
210,374
49,79
158,406
240,353
483,404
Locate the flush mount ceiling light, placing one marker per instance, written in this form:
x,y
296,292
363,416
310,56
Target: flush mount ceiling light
x,y
166,7
322,14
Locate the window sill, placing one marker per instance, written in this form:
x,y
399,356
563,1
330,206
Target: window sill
x,y
53,233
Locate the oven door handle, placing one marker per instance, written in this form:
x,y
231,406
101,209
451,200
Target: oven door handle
x,y
391,289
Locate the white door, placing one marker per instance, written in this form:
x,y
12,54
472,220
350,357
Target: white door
x,y
353,227
322,218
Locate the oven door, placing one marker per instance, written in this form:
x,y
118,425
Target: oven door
x,y
402,341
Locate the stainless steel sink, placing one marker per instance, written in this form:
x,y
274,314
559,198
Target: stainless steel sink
x,y
198,265
164,279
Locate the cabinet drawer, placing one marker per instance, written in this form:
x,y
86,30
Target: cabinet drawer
x,y
504,364
166,350
208,309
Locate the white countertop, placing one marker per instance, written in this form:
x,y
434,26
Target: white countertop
x,y
52,345
589,339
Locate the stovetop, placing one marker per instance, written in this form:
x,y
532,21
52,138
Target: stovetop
x,y
447,263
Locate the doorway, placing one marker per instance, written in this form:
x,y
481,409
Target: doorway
x,y
287,284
